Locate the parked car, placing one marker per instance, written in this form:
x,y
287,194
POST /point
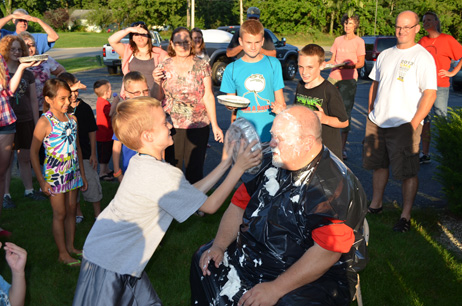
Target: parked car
x,y
374,45
113,60
286,53
457,79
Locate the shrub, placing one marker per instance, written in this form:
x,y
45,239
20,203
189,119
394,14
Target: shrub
x,y
57,18
448,141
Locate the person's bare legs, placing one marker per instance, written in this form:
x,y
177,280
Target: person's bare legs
x,y
58,203
426,138
7,181
25,169
69,221
78,211
6,146
409,190
379,182
97,208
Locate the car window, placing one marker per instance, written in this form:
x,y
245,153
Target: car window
x,y
273,37
369,47
385,43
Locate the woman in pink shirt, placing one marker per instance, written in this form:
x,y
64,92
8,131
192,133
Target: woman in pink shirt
x,y
351,50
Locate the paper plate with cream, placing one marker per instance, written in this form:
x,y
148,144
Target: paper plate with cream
x,y
233,101
33,58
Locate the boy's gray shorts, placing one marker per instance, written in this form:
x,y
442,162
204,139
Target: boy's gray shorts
x,y
98,286
94,192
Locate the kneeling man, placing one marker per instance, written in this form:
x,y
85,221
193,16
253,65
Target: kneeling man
x,y
289,235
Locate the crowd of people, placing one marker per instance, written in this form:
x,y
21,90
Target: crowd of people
x,y
293,233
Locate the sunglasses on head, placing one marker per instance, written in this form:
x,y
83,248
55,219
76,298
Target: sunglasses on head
x,y
22,20
137,23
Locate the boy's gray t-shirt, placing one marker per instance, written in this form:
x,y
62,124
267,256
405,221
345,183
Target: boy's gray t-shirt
x,y
128,231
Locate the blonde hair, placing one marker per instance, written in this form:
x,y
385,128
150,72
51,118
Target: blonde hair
x,y
132,118
252,27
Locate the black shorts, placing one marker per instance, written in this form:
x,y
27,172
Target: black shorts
x,y
104,151
24,134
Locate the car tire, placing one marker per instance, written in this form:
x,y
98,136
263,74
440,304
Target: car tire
x,y
218,70
112,69
290,69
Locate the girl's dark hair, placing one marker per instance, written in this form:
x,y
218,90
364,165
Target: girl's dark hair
x,y
50,90
133,45
197,30
171,52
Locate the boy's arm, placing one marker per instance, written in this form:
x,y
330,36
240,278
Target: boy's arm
x,y
116,149
79,155
329,120
246,159
279,102
93,159
16,258
209,101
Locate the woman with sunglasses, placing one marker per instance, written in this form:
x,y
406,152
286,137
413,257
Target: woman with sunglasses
x,y
188,98
199,44
139,54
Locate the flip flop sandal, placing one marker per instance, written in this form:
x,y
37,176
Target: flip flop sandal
x,y
73,264
374,211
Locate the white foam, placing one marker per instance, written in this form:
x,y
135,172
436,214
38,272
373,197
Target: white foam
x,y
233,284
295,198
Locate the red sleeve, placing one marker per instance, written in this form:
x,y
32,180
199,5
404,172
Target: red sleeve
x,y
241,198
336,237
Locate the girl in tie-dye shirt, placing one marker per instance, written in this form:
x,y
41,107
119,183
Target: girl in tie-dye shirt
x,y
63,171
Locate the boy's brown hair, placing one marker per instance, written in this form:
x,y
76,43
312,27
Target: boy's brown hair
x,y
100,87
312,50
132,118
252,27
133,76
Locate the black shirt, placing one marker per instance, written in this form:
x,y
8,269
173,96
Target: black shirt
x,y
86,124
328,97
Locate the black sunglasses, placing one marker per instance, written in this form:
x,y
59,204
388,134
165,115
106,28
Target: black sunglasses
x,y
23,20
137,23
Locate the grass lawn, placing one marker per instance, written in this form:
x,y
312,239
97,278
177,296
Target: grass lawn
x,y
77,64
404,269
81,39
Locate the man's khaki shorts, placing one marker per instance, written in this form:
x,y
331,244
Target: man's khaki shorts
x,y
397,146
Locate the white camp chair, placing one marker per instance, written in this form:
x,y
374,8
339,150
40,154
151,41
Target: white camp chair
x,y
358,297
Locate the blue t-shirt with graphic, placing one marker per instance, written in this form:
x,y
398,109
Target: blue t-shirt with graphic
x,y
256,82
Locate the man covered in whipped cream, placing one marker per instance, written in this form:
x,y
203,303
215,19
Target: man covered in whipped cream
x,y
290,234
